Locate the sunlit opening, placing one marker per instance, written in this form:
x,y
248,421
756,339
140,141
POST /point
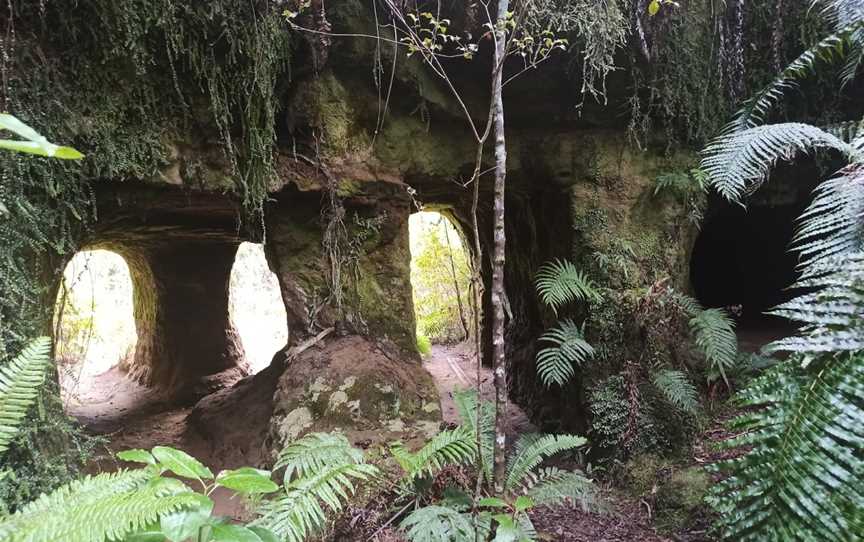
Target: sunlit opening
x,y
94,323
256,306
440,277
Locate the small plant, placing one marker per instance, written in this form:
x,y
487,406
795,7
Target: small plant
x,y
527,485
20,381
424,345
559,283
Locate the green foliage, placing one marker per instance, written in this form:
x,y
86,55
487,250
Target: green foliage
x,y
737,163
440,278
801,477
677,389
20,381
560,283
424,345
530,450
555,364
438,524
714,335
453,447
320,471
798,476
34,143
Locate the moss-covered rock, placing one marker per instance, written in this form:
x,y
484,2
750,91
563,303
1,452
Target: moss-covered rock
x,y
355,386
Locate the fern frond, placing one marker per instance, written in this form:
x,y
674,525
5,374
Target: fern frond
x,y
99,508
677,389
559,283
556,364
531,450
298,512
801,476
466,405
315,451
20,380
832,314
553,486
714,333
737,163
832,224
438,524
829,50
453,447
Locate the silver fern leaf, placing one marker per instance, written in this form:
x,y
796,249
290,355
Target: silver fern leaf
x,y
557,364
20,381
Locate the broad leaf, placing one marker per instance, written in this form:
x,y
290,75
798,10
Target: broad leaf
x,y
137,456
227,532
181,463
247,480
187,523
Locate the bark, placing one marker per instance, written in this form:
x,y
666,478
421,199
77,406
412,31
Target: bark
x,y
455,279
498,256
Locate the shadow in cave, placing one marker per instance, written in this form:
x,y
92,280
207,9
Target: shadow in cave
x,y
741,261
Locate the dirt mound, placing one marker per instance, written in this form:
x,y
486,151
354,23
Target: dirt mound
x,y
359,387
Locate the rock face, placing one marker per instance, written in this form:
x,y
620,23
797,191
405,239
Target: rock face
x,y
355,386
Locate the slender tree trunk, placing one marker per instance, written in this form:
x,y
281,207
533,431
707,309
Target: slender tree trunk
x,y
465,333
498,256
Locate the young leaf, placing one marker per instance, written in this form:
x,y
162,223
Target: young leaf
x,y
181,463
184,524
227,532
137,456
492,502
247,480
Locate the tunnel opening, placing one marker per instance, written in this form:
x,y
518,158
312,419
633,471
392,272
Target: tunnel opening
x,y
256,307
440,281
94,326
742,261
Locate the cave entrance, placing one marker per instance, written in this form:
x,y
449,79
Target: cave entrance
x,y
742,261
440,280
256,307
94,324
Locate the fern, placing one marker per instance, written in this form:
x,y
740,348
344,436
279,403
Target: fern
x,y
20,380
832,314
801,479
738,163
832,223
452,447
438,524
552,486
714,334
466,405
99,508
531,450
325,465
315,451
555,364
677,389
559,283
829,50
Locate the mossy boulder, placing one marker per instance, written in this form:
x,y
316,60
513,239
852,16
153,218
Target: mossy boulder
x,y
675,493
355,386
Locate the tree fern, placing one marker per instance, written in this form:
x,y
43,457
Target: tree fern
x,y
20,380
99,508
738,163
556,364
714,335
832,314
531,450
801,478
676,388
832,223
451,447
559,283
438,524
